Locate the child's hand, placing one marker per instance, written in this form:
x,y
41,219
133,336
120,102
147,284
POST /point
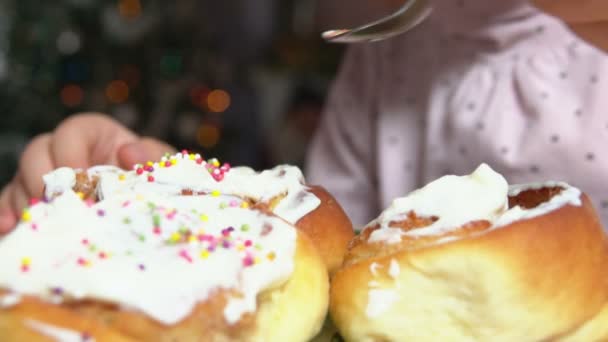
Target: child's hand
x,y
588,18
79,142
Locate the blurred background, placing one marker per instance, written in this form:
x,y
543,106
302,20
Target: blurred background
x,y
241,80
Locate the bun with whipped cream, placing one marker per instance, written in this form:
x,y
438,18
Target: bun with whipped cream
x,y
178,250
471,258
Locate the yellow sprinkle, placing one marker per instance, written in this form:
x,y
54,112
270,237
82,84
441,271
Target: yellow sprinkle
x,y
244,205
26,261
204,254
176,237
201,232
150,163
192,156
240,248
26,216
256,260
139,197
271,256
216,163
173,161
80,194
161,165
215,193
204,217
122,177
192,238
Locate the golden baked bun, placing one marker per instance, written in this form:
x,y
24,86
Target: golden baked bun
x,y
472,259
114,255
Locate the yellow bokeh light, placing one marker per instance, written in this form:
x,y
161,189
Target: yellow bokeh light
x,y
72,95
208,135
218,101
129,8
117,91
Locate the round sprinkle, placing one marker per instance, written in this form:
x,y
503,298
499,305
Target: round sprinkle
x,y
248,261
141,267
34,201
204,217
271,256
245,227
234,203
215,193
150,178
26,216
157,230
248,243
122,177
26,261
101,212
175,237
85,241
204,254
102,255
244,205
139,170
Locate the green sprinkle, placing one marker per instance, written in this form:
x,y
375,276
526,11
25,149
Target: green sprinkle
x,y
245,227
223,205
151,205
258,246
126,220
156,220
92,248
142,238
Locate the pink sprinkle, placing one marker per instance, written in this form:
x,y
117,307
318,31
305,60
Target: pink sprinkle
x,y
34,226
102,255
89,202
247,261
199,161
126,204
34,201
218,177
184,152
157,230
168,163
141,267
226,244
248,243
150,178
101,212
184,254
82,261
139,171
234,203
25,268
85,241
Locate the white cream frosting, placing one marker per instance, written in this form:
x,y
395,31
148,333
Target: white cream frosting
x,y
380,301
187,173
148,248
457,200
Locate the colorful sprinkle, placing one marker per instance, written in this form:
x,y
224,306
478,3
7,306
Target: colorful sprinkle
x,y
83,262
25,264
157,230
141,267
271,256
244,205
150,178
101,212
215,193
248,261
139,170
122,177
185,255
245,227
80,194
34,201
26,216
204,254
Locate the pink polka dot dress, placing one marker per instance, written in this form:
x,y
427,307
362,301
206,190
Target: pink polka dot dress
x,y
498,82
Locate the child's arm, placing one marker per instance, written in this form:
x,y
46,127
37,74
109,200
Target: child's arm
x,y
588,18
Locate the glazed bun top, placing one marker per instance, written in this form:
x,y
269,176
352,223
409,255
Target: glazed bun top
x,y
451,202
187,173
139,238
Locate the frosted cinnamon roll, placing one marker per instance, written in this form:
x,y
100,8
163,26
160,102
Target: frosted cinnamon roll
x,y
470,258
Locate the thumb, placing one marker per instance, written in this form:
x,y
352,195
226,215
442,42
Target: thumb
x,y
141,151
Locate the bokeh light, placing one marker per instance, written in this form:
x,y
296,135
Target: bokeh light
x,y
72,95
117,91
129,8
218,101
208,135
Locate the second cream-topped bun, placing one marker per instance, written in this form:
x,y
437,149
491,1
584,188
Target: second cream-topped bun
x,y
470,258
104,261
281,190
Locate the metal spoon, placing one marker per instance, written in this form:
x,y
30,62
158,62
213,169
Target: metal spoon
x,y
412,13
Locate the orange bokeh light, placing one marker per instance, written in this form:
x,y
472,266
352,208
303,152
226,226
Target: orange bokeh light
x,y
218,101
117,91
72,95
129,8
208,135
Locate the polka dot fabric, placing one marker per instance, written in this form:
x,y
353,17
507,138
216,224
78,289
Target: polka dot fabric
x,y
497,82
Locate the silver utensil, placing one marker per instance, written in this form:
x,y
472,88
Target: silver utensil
x,y
412,13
